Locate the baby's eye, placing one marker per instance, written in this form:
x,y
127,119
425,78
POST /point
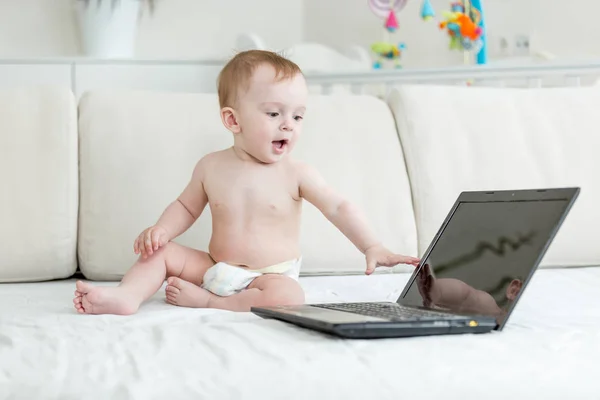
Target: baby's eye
x,y
272,114
298,117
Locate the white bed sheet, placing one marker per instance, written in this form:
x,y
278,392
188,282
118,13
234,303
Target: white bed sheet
x,y
550,349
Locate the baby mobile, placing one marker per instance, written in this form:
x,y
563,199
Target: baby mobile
x,y
464,24
386,49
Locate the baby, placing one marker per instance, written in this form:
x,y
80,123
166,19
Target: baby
x,y
255,192
457,295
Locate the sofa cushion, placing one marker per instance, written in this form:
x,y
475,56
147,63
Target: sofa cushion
x,y
137,153
39,196
474,138
138,150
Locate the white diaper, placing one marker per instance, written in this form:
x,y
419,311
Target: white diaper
x,y
224,280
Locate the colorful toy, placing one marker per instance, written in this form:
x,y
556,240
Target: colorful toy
x,y
427,12
386,49
391,24
463,23
390,51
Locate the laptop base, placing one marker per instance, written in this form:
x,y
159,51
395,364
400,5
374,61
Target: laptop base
x,y
354,326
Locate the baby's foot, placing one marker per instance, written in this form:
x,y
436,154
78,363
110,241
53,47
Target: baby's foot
x,y
185,294
90,299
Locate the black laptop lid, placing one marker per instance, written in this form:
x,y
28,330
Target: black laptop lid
x,y
486,251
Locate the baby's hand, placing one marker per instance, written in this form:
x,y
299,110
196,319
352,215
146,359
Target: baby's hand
x,y
150,240
380,256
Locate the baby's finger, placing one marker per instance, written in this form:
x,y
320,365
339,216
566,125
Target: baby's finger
x,y
371,265
142,246
155,240
398,259
148,242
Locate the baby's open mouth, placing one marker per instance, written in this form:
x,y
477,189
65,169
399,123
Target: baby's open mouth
x,y
279,144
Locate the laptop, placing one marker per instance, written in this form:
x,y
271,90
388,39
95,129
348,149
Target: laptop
x,y
470,278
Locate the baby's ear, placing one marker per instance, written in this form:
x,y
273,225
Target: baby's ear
x,y
229,118
513,289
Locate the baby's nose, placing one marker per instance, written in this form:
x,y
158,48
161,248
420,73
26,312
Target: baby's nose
x,y
287,126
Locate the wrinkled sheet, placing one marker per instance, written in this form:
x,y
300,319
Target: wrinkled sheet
x,y
550,349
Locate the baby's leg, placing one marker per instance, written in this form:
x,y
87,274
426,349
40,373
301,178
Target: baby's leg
x,y
143,280
266,290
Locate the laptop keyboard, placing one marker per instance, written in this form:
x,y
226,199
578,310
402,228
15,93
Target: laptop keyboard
x,y
392,311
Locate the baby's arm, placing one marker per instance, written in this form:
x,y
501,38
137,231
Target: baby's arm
x,y
343,214
348,218
177,217
454,293
186,209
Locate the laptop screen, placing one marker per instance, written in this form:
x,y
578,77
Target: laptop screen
x,y
484,256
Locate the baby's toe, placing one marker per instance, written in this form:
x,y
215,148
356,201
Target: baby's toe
x,y
170,289
175,282
171,299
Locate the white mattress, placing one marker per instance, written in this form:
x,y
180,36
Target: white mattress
x,y
549,349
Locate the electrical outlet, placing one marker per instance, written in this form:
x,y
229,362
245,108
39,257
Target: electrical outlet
x,y
522,43
498,46
504,46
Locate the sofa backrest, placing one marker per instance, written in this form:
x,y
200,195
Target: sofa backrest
x,y
39,194
138,149
474,138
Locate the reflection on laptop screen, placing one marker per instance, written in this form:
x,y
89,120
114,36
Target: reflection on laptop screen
x,y
484,255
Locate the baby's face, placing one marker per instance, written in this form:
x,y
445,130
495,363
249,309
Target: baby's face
x,y
270,115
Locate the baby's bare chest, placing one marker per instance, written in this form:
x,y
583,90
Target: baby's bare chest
x,y
253,194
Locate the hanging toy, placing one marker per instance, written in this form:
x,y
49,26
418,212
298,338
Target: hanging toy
x,y
427,12
389,51
386,49
391,24
462,25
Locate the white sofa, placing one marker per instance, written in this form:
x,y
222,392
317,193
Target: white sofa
x,y
81,180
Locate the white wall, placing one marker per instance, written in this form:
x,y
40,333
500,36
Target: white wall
x,y
570,28
178,29
208,28
36,28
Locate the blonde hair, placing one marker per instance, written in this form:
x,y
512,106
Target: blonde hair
x,y
236,74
